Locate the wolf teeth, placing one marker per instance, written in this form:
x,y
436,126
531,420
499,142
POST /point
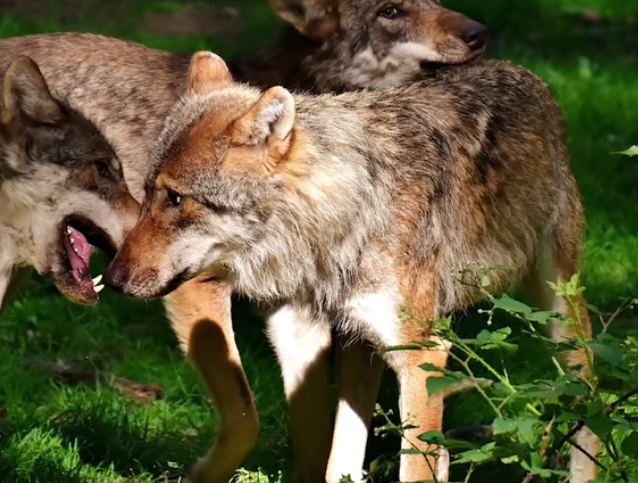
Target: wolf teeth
x,y
97,280
98,288
68,229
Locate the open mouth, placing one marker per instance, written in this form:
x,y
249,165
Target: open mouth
x,y
79,234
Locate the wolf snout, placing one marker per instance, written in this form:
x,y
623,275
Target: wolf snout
x,y
474,35
134,282
116,275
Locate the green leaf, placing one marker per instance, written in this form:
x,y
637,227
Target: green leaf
x,y
485,281
510,305
609,353
536,460
526,430
601,425
429,367
632,151
629,445
504,426
434,437
573,388
542,317
510,459
437,384
493,340
594,408
473,456
489,447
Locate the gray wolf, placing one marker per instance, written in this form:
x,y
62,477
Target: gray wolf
x,y
61,188
342,210
339,45
88,72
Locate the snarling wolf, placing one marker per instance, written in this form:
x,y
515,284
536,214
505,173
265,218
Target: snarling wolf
x,y
61,188
345,209
126,90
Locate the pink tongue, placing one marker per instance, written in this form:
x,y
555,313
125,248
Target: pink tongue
x,y
81,248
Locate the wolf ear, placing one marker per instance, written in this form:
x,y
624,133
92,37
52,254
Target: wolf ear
x,y
207,72
316,19
25,94
269,122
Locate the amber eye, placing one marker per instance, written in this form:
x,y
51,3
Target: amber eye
x,y
389,12
175,199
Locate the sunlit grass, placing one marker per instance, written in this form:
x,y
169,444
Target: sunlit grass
x,y
53,433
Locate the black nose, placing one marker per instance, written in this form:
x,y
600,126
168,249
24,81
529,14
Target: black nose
x,y
116,275
474,35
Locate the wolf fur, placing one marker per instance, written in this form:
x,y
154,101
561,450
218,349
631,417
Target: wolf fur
x,y
346,209
56,171
109,81
354,44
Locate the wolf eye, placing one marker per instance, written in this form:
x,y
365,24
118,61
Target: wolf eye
x,y
390,12
173,198
103,169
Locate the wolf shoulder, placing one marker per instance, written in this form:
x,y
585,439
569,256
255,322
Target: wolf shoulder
x,y
457,108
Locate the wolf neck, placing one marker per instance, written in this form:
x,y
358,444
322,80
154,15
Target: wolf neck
x,y
280,63
325,210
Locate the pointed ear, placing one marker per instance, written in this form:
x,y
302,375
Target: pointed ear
x,y
207,72
316,19
25,94
269,122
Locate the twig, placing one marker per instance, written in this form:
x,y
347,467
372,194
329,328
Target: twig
x,y
465,385
545,439
67,374
622,399
528,477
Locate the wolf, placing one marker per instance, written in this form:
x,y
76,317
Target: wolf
x,y
339,45
311,53
62,188
342,210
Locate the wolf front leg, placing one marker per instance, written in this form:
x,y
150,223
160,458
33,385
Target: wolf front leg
x,y
377,316
302,343
423,412
200,314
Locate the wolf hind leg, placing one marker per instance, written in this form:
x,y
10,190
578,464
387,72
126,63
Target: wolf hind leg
x,y
302,342
360,371
557,263
200,314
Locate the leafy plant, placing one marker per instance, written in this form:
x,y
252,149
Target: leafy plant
x,y
534,422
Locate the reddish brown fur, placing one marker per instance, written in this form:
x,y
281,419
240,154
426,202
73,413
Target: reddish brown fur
x,y
416,184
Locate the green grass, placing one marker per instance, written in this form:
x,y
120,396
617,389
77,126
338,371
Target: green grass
x,y
54,433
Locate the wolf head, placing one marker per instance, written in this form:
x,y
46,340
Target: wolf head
x,y
382,43
61,185
215,167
